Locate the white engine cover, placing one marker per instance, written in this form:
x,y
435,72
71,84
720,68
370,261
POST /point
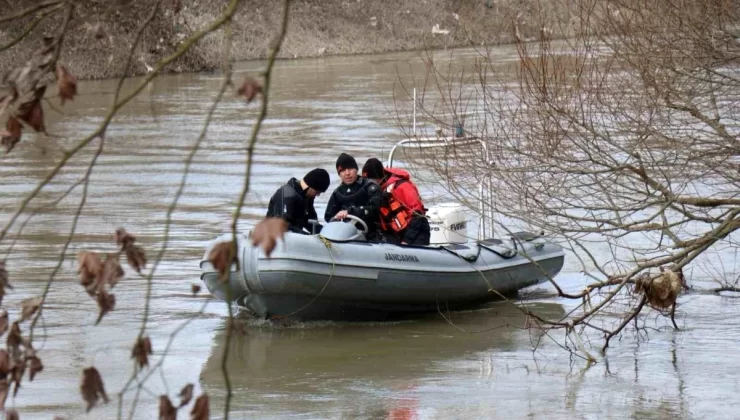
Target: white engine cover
x,y
448,224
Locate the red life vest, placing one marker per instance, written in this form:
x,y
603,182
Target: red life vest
x,y
395,215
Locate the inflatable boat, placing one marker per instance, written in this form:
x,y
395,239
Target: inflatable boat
x,y
338,274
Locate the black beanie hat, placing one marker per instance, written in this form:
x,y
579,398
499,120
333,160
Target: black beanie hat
x,y
345,161
373,169
318,179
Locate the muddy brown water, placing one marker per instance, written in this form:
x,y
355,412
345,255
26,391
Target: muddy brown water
x,y
416,369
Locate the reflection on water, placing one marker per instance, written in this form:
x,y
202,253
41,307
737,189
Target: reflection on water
x,y
414,369
352,369
430,369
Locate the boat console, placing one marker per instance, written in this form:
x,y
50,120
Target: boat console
x,y
350,229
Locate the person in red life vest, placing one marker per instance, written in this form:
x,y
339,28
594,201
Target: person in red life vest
x,y
402,218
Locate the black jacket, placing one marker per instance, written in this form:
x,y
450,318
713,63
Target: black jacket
x,y
361,199
290,203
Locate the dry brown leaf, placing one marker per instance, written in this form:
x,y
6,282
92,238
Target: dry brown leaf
x,y
221,256
16,374
33,114
92,387
4,389
267,232
166,410
3,321
12,134
106,303
176,6
11,414
90,268
66,83
141,351
186,394
4,364
249,89
29,307
34,366
201,410
14,337
124,238
112,271
194,287
136,257
14,127
4,283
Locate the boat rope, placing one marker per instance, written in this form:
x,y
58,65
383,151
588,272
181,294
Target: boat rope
x,y
328,244
469,258
504,256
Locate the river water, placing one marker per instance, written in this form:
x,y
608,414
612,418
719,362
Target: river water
x,y
427,368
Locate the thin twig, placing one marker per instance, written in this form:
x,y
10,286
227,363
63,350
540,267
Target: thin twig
x,y
31,26
184,47
32,9
276,43
630,316
183,181
37,210
72,231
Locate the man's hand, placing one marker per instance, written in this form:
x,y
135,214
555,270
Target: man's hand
x,y
341,215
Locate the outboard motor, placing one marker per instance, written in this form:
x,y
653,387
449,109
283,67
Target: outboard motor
x,y
448,224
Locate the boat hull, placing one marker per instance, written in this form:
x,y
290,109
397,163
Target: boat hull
x,y
308,277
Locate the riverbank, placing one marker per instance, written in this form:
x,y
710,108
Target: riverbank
x,y
98,37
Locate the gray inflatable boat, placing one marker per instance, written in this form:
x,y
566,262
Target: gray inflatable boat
x,y
338,275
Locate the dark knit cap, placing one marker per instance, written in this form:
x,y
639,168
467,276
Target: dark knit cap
x,y
345,161
373,169
318,179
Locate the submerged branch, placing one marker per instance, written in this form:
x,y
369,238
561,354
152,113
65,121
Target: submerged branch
x,y
625,321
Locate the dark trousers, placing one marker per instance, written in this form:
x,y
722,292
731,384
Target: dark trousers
x,y
416,233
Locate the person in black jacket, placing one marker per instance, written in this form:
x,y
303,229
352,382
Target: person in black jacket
x,y
357,196
294,201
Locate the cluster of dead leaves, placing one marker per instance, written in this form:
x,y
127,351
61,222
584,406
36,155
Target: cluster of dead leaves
x,y
92,387
141,351
19,355
134,253
662,291
98,277
23,91
200,410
